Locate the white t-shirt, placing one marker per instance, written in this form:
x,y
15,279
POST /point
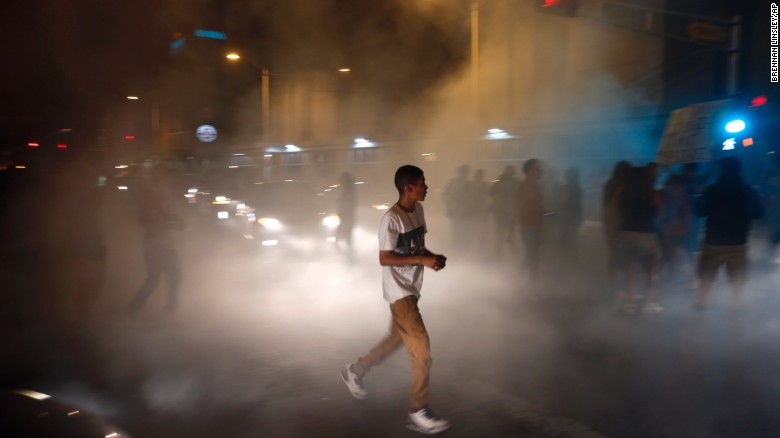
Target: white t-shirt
x,y
403,233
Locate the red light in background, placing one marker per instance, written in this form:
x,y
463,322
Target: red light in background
x,y
129,137
32,145
548,3
758,101
747,142
62,146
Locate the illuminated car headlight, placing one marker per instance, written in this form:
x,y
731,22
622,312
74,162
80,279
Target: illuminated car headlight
x,y
221,200
331,221
244,210
270,223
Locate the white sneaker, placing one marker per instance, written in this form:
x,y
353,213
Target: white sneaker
x,y
424,421
354,382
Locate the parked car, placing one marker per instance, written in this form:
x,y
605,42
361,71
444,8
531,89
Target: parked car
x,y
26,413
212,198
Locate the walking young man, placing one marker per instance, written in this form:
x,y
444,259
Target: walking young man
x,y
403,255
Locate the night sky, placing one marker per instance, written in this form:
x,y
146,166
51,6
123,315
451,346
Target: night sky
x,y
66,62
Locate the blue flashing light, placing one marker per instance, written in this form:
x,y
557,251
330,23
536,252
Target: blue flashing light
x,y
734,126
212,34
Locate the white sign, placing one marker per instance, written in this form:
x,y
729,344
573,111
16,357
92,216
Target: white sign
x,y
688,137
206,133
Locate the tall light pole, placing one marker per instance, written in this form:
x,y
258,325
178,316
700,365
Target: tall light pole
x,y
475,60
265,96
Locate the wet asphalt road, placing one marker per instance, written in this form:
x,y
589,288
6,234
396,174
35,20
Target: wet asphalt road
x,y
255,348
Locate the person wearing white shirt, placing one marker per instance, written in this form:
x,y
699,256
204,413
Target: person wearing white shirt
x,y
403,256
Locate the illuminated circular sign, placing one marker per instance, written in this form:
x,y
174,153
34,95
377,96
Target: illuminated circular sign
x,y
206,133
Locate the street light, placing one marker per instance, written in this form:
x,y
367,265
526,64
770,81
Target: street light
x,y
264,95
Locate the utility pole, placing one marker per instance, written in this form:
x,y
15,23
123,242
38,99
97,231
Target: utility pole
x,y
475,60
265,90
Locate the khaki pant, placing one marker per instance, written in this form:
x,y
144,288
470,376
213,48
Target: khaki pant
x,y
406,327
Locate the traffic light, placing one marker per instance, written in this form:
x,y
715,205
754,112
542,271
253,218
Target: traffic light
x,y
758,101
566,8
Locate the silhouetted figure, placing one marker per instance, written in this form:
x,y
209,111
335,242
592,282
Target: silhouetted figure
x,y
456,203
530,213
570,214
675,221
638,239
161,255
403,255
503,195
551,193
346,212
477,216
772,201
695,184
610,215
730,206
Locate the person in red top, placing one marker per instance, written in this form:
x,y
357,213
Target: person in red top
x,y
529,215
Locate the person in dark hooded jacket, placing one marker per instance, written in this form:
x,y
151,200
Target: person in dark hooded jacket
x,y
730,206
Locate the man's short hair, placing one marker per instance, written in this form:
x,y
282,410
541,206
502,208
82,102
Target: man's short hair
x,y
529,164
730,165
407,174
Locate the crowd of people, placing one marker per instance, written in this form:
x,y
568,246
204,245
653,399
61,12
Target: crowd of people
x,y
497,219
663,226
